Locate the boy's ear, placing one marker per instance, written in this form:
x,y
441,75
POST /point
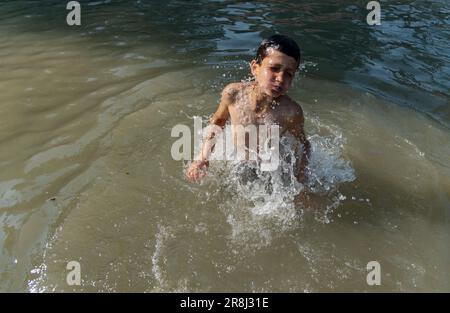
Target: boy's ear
x,y
254,67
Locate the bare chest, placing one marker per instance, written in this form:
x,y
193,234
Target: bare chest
x,y
244,114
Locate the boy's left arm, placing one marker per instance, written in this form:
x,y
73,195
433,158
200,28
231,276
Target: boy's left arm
x,y
296,128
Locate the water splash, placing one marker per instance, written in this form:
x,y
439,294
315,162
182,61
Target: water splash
x,y
260,205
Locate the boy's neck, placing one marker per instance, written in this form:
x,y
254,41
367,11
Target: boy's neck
x,y
260,100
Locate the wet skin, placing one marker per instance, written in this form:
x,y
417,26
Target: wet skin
x,y
262,101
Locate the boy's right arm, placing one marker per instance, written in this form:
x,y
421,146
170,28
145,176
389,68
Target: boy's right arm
x,y
197,169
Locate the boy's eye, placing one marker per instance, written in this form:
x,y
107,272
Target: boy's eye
x,y
274,69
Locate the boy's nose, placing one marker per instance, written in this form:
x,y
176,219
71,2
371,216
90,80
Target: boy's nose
x,y
279,78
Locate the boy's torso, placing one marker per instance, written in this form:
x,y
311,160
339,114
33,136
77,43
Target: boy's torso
x,y
245,112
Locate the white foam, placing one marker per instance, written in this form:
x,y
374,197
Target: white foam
x,y
161,237
260,205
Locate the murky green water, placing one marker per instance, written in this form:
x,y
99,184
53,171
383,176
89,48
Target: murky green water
x,y
86,172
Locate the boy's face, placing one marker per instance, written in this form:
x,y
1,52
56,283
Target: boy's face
x,y
275,74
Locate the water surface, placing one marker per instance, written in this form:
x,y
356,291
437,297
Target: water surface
x,y
86,173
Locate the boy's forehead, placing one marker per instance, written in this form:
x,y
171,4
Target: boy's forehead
x,y
275,57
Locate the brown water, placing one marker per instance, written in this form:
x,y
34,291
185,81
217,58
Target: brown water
x,y
86,172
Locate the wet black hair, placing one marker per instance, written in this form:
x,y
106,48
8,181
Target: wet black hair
x,y
280,43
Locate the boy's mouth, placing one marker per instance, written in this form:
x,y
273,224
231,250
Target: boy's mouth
x,y
277,89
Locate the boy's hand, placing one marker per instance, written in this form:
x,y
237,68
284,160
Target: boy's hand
x,y
197,170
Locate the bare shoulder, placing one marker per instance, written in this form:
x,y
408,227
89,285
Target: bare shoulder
x,y
230,92
293,110
229,95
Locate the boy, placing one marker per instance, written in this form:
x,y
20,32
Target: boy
x,y
262,101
